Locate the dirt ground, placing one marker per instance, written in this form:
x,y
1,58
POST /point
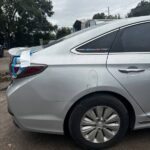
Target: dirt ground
x,y
12,138
4,63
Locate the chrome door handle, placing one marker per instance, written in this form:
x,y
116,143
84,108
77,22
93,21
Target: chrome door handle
x,y
132,70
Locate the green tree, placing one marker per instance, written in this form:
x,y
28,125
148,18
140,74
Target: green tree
x,y
103,16
61,32
22,19
99,16
113,17
142,9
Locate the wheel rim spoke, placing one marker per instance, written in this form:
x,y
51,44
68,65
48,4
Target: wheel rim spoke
x,y
87,122
91,114
112,118
109,134
100,136
87,129
113,126
99,111
108,111
92,135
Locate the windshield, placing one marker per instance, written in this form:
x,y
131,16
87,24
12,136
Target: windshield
x,y
74,34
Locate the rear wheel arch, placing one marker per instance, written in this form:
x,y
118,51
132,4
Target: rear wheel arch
x,y
126,103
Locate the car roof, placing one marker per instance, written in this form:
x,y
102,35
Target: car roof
x,y
112,25
128,21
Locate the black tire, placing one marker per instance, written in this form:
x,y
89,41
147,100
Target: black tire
x,y
85,105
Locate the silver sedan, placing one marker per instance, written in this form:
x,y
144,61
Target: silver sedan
x,y
93,84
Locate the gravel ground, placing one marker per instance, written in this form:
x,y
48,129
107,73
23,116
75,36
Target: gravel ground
x,y
12,138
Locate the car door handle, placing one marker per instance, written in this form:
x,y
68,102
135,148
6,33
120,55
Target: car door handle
x,y
131,70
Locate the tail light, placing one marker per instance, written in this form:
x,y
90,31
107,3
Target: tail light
x,y
17,72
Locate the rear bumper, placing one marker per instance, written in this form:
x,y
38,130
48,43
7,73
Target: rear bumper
x,y
14,120
13,117
10,112
31,112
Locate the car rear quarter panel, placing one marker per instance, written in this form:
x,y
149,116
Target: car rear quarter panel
x,y
42,102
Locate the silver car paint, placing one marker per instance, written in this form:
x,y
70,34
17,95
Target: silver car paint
x,y
136,83
41,103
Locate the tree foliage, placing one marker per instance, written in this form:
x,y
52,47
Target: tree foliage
x,y
142,9
99,16
23,22
63,32
104,16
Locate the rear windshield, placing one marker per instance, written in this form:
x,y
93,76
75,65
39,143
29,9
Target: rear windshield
x,y
74,34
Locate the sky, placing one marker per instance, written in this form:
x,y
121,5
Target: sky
x,y
67,11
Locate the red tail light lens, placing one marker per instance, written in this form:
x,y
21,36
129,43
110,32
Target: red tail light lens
x,y
32,70
28,71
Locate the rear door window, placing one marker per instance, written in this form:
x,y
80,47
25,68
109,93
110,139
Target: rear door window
x,y
133,39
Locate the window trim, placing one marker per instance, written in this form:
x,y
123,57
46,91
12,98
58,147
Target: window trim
x,y
134,24
127,53
74,50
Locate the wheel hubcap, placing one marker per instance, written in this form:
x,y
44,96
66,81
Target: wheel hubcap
x,y
100,124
